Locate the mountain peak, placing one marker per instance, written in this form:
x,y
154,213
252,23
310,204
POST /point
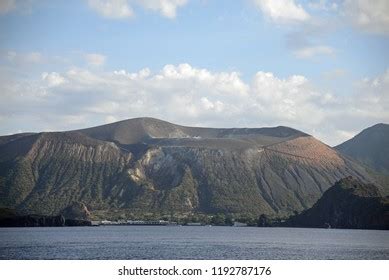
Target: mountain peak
x,y
370,147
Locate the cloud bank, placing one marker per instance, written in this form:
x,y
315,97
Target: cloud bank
x,y
368,16
191,96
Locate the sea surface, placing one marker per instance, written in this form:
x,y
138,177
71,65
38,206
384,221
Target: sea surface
x,y
191,242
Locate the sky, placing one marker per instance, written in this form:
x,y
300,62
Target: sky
x,y
318,66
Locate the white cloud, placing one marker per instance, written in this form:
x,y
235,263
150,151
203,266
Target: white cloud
x,y
217,106
34,57
119,9
309,52
11,55
111,119
167,8
304,39
289,101
283,11
191,96
7,5
114,9
374,93
20,6
95,59
369,16
24,58
53,79
323,5
335,74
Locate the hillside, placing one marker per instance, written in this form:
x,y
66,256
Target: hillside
x,y
370,147
348,204
146,165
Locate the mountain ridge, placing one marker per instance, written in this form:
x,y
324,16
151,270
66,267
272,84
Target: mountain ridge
x,y
151,166
369,147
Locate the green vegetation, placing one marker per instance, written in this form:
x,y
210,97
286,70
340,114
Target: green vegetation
x,y
350,203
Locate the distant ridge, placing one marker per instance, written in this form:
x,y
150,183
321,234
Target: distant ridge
x,y
370,147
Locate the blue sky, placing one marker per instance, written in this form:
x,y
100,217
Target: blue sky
x,y
318,66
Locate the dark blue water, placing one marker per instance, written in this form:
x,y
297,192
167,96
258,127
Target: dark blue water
x,y
160,242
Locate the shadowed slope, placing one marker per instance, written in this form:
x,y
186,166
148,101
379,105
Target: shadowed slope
x,y
350,203
370,147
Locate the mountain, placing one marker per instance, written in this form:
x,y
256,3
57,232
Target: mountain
x,y
350,203
146,166
370,147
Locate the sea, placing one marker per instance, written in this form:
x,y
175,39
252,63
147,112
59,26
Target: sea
x,y
191,242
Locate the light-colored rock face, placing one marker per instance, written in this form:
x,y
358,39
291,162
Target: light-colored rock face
x,y
136,175
234,171
154,157
160,169
277,179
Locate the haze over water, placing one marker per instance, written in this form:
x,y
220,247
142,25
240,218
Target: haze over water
x,y
163,242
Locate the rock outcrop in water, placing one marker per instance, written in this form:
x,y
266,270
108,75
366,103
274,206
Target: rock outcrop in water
x,y
10,218
151,166
350,203
76,211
